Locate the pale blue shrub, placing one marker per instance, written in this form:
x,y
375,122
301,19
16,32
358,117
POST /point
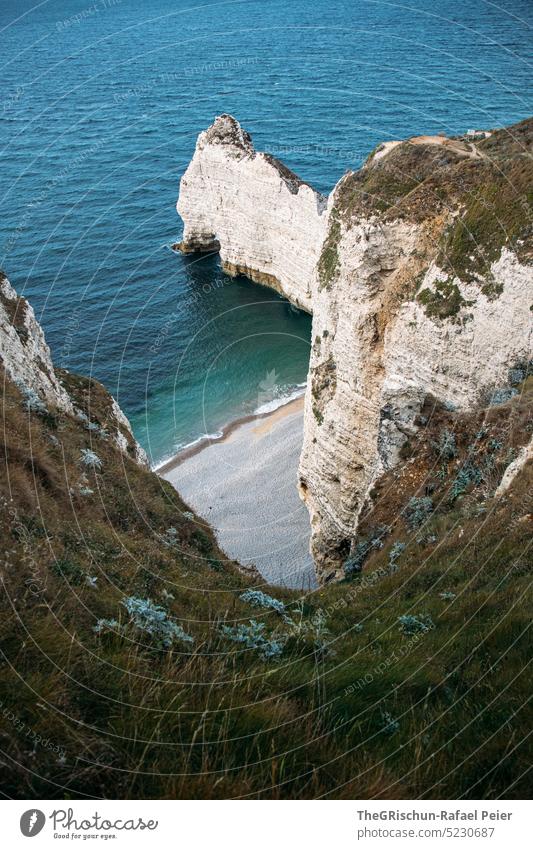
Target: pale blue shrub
x,y
467,475
154,621
260,599
32,402
446,446
170,537
389,725
253,636
417,511
320,634
362,549
89,459
354,563
500,396
396,550
106,625
517,375
410,625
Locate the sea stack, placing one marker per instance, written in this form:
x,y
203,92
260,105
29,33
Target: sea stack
x,y
266,222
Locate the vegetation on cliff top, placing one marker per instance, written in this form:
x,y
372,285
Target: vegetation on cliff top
x,y
486,196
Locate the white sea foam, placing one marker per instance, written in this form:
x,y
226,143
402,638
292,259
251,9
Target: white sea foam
x,y
185,446
285,397
275,403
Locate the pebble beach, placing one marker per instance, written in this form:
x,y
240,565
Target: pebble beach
x,y
245,485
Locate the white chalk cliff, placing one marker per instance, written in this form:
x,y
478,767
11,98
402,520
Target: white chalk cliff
x,y
24,352
264,220
416,269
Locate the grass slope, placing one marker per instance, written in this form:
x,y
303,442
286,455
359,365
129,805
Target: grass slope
x,y
407,680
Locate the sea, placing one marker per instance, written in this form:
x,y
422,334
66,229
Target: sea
x,y
101,102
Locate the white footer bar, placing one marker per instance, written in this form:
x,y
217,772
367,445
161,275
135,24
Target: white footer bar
x,y
267,825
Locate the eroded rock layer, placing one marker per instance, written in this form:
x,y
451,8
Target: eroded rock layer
x,y
417,270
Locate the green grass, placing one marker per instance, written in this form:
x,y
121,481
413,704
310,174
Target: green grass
x,y
328,263
496,214
443,301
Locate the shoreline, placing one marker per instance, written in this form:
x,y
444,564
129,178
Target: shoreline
x,y
273,416
244,484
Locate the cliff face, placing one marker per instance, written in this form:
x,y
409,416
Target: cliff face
x,y
417,270
266,222
26,360
23,349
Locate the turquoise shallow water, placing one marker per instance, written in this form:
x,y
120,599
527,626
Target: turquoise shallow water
x,y
101,105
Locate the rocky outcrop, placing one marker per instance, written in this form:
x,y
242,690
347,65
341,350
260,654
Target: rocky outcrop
x,y
386,363
24,352
525,455
124,435
27,361
266,222
417,270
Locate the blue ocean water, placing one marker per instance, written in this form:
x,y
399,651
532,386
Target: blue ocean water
x,y
101,104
